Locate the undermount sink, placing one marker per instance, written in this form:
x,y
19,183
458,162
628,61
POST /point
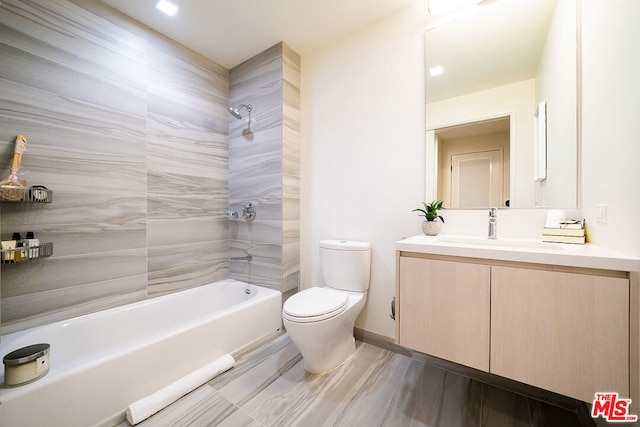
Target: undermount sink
x,y
498,243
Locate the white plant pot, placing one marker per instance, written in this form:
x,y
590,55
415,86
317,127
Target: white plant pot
x,y
431,228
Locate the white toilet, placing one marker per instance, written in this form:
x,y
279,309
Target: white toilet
x,y
320,320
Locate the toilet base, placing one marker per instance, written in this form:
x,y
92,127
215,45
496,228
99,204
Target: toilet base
x,y
324,345
324,368
328,343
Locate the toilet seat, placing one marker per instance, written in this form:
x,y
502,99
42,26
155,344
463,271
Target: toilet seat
x,y
315,304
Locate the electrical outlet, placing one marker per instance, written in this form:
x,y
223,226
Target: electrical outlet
x,y
601,213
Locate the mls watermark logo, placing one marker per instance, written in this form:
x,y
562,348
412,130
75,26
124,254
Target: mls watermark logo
x,y
612,408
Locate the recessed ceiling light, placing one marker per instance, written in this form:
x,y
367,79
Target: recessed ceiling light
x,y
436,70
167,7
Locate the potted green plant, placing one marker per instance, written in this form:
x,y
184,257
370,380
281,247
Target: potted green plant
x,y
431,226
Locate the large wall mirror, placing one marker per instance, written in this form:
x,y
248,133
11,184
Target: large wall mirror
x,y
502,87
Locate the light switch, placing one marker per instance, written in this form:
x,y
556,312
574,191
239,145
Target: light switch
x,y
601,213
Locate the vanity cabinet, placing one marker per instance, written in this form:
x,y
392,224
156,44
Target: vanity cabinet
x,y
563,329
443,310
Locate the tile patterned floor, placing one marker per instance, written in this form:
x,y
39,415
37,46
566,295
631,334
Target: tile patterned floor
x,y
376,387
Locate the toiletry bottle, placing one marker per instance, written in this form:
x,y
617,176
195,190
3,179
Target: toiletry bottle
x,y
33,244
20,254
8,248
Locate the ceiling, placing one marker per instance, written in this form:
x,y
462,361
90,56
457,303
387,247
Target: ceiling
x,y
489,46
499,42
231,31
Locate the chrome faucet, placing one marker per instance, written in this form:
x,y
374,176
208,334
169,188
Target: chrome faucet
x,y
493,223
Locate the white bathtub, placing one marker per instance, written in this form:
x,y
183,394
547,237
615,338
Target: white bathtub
x,y
102,362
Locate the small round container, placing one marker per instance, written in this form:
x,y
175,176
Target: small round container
x,y
26,364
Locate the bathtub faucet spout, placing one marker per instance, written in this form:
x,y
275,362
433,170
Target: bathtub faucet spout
x,y
242,258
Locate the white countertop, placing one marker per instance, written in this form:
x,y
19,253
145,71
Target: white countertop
x,y
521,250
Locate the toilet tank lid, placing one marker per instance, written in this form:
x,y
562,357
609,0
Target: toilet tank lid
x,y
345,245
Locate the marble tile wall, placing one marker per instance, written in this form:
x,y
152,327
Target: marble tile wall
x,y
187,168
264,168
290,169
130,132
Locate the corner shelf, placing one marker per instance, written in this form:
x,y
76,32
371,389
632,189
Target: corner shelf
x,y
25,194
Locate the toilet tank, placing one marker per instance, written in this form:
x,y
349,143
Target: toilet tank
x,y
346,264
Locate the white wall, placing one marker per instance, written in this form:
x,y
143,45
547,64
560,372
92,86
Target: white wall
x,y
363,150
363,144
611,121
557,86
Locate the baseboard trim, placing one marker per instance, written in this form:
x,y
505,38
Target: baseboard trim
x,y
380,341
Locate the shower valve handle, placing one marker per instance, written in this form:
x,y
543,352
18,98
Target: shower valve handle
x,y
249,211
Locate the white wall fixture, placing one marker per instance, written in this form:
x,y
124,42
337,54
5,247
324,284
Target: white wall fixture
x,y
436,71
167,7
601,213
540,142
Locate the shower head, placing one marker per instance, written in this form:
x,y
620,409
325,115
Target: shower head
x,y
235,111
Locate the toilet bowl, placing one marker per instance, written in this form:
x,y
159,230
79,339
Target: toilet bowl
x,y
320,320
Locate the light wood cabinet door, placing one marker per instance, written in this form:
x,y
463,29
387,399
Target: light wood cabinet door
x,y
443,309
564,332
